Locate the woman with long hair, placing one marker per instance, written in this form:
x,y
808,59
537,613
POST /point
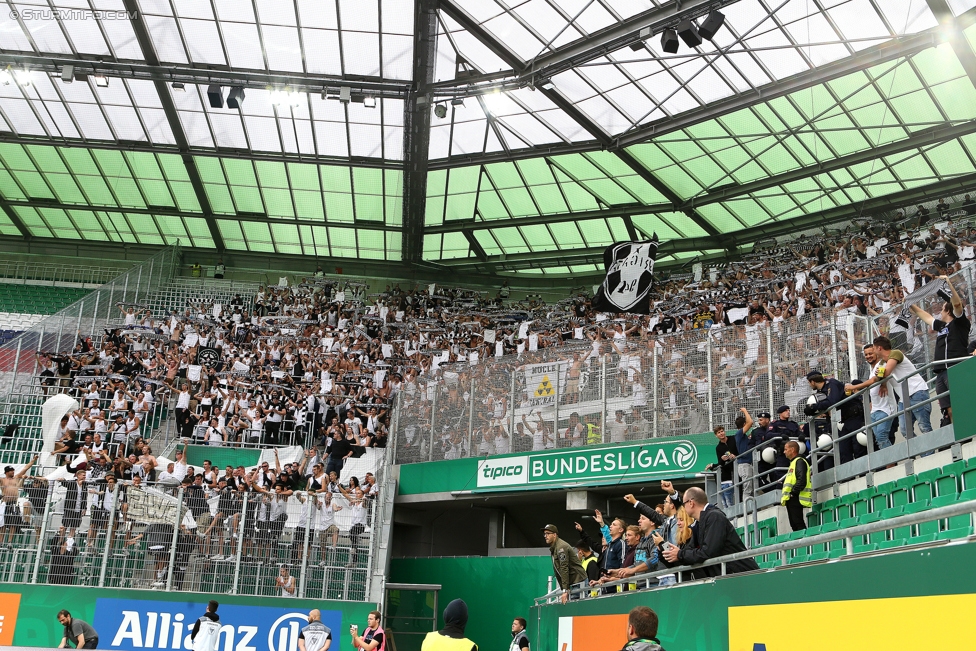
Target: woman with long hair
x,y
684,538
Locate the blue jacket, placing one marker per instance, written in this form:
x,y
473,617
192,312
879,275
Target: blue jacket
x,y
615,550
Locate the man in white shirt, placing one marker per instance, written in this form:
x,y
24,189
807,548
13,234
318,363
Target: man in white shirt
x,y
882,405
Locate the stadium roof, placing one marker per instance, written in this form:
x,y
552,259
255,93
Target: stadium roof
x,y
567,126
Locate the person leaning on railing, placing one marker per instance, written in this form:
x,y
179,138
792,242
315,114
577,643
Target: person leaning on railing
x,y
565,562
714,536
952,341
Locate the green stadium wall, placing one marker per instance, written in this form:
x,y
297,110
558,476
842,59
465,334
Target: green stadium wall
x,y
29,615
497,589
921,599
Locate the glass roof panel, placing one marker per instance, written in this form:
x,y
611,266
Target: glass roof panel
x,y
361,37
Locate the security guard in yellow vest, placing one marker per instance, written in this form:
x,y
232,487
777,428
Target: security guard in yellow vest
x,y
593,436
797,490
451,637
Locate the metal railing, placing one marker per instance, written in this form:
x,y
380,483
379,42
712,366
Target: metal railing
x,y
779,549
84,274
766,490
157,537
85,317
665,385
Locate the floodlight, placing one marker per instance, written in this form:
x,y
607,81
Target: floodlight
x,y
345,94
440,110
216,96
669,41
369,101
67,74
178,86
457,101
235,98
711,25
23,77
688,32
100,80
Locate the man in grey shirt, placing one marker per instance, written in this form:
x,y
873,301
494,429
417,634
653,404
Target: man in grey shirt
x,y
77,632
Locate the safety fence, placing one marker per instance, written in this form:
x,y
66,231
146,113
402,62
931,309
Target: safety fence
x,y
125,535
609,390
60,332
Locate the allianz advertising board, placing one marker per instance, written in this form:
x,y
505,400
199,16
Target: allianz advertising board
x,y
166,625
645,461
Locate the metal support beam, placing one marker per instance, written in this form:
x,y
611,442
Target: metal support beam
x,y
240,154
902,46
960,44
594,46
569,108
626,210
915,141
204,76
141,32
14,218
631,231
416,130
731,241
476,246
170,212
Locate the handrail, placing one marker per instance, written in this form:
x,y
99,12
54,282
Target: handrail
x,y
939,513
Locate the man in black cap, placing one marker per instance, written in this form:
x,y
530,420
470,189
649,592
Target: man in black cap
x,y
565,563
760,434
451,637
786,430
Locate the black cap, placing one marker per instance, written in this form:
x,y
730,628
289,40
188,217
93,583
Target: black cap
x,y
815,376
551,528
782,409
762,414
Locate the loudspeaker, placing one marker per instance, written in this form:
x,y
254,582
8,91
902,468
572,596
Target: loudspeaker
x,y
711,25
669,41
235,97
216,96
688,32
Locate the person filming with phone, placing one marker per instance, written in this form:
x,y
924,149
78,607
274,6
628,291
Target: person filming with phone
x,y
373,638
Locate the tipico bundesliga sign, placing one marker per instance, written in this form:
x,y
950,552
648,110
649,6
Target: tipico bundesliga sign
x,y
645,461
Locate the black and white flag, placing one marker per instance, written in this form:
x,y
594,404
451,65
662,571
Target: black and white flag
x,y
630,275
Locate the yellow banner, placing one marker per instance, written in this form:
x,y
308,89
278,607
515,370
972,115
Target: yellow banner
x,y
939,622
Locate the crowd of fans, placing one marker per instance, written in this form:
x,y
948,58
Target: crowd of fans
x,y
319,364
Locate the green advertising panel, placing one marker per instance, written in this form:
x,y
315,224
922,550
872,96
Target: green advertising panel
x,y
220,457
962,379
670,458
858,604
161,621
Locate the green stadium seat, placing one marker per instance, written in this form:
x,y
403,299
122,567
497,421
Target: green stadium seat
x,y
893,512
818,556
799,558
959,532
906,482
927,538
861,549
969,476
916,507
837,553
893,544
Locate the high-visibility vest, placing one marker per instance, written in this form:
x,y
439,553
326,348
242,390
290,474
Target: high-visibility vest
x,y
593,434
806,495
586,563
437,642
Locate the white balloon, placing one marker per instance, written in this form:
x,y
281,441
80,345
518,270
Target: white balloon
x,y
824,441
802,446
812,400
769,455
862,438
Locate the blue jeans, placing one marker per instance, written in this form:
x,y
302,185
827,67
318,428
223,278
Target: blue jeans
x,y
921,414
726,494
881,429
